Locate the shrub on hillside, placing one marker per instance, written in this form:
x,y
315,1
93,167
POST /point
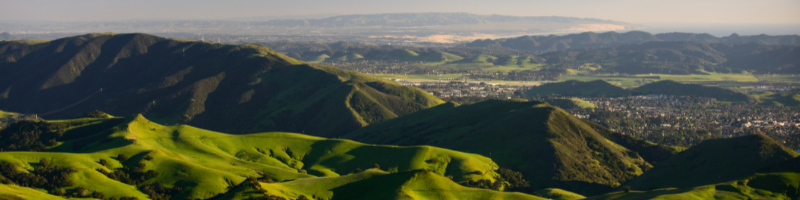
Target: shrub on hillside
x,y
514,179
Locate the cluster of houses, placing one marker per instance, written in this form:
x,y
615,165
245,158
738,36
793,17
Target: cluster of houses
x,y
451,88
768,124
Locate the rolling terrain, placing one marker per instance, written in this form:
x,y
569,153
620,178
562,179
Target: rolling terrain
x,y
205,164
746,167
197,83
544,143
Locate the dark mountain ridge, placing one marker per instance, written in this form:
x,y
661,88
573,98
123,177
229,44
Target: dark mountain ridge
x,y
233,88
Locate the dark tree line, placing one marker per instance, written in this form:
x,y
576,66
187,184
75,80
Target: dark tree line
x,y
31,136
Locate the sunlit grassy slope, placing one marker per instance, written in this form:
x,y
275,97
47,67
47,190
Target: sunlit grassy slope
x,y
13,192
205,163
192,82
377,184
569,103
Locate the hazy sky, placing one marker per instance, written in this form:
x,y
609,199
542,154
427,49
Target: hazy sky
x,y
636,11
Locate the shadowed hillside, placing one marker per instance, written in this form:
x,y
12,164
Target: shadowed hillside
x,y
747,167
549,146
674,88
715,161
238,89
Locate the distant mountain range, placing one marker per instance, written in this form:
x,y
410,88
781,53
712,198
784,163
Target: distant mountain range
x,y
547,43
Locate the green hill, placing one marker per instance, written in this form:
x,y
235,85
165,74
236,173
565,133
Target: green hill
x,y
550,147
669,87
778,99
714,161
779,186
747,167
579,88
206,164
181,81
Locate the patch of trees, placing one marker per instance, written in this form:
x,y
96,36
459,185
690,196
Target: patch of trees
x,y
514,179
31,136
135,175
485,184
508,179
157,191
43,176
130,175
95,114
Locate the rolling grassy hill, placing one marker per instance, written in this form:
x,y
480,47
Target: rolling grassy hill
x,y
668,87
550,147
375,184
714,161
209,164
579,88
746,167
180,81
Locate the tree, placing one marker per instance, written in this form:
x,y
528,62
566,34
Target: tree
x,y
104,162
358,170
122,157
626,189
302,197
376,166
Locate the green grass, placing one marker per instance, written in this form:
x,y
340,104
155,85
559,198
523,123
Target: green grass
x,y
711,77
4,114
204,162
13,192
